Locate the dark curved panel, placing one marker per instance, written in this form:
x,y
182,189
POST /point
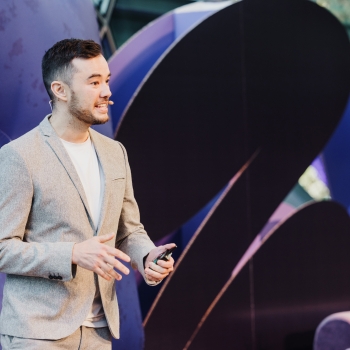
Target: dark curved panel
x,y
208,264
230,322
300,276
185,148
270,74
201,273
168,130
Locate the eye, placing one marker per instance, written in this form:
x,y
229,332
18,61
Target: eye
x,y
107,81
95,83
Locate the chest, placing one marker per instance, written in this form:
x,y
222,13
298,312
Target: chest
x,y
59,196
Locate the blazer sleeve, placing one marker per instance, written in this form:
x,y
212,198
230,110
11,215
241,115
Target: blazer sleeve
x,y
136,243
18,257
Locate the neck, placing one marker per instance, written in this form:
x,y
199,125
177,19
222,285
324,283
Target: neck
x,y
68,127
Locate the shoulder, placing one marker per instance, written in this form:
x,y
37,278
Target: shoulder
x,y
17,155
22,145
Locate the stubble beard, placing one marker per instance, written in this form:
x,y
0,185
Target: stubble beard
x,y
84,115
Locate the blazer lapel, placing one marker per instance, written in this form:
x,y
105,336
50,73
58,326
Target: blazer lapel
x,y
107,164
56,145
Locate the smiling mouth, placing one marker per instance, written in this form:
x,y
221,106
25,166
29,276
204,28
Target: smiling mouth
x,y
102,107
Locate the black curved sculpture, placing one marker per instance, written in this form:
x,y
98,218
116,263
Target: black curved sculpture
x,y
297,278
258,84
271,74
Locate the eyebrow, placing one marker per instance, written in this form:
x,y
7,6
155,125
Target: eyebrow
x,y
97,76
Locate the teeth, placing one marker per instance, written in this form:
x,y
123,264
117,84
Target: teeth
x,y
103,105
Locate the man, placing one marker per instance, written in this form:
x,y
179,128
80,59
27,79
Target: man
x,y
68,216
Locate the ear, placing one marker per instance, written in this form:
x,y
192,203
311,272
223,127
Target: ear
x,y
59,89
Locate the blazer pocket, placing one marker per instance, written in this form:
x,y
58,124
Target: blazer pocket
x,y
119,179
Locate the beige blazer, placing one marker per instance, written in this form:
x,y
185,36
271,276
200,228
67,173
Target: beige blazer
x,y
43,212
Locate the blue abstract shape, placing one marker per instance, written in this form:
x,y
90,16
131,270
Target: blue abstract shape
x,y
131,330
336,157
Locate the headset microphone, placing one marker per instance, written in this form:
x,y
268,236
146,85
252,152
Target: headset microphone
x,y
110,102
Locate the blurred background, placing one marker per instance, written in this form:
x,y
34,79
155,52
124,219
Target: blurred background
x,y
257,302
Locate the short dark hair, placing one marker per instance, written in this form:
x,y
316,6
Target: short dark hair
x,y
57,61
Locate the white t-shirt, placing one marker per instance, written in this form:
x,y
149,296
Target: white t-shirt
x,y
84,158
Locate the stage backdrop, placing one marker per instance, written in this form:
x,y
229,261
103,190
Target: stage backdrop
x,y
248,97
212,56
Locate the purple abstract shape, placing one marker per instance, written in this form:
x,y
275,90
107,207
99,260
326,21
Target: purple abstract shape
x,y
333,332
133,61
281,214
190,15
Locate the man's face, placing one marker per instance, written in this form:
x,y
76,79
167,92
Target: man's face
x,y
89,90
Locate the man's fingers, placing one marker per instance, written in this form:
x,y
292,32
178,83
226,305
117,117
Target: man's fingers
x,y
169,246
157,275
166,264
158,268
150,278
107,272
105,238
111,272
101,273
118,254
154,253
162,248
117,264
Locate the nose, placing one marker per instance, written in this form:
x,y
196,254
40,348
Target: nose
x,y
106,91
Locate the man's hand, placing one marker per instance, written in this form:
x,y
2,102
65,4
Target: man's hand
x,y
157,272
95,256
